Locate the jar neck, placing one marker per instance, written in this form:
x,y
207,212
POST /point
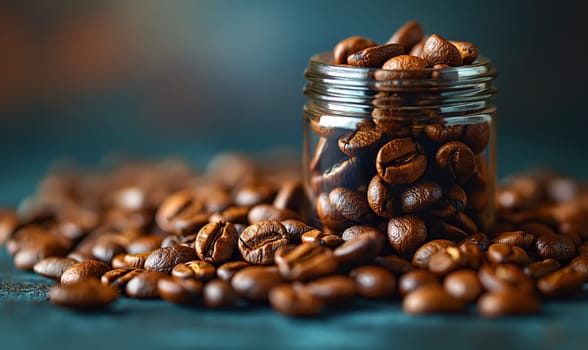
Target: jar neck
x,y
359,92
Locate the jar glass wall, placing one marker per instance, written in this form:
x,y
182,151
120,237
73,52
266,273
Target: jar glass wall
x,y
381,144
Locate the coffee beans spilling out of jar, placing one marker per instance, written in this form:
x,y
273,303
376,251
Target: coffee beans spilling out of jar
x,y
234,236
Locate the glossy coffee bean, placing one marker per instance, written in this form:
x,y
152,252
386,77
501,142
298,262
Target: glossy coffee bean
x,y
346,173
401,161
108,247
420,196
408,35
164,259
185,291
53,266
474,256
335,290
447,260
375,56
558,247
254,282
321,238
510,302
88,294
442,133
467,50
253,194
379,198
395,264
373,282
290,196
351,205
194,269
83,270
456,161
350,45
227,270
218,293
216,242
580,265
180,213
259,242
431,299
479,239
305,262
464,285
144,244
118,278
406,233
561,283
136,261
424,252
356,230
520,239
539,269
416,279
233,214
437,50
500,253
476,136
266,211
497,278
328,214
295,229
144,285
360,249
360,141
296,302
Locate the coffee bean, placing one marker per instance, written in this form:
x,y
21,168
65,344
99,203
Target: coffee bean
x,y
107,247
227,270
442,133
456,161
262,212
179,213
558,247
253,194
194,269
136,261
473,255
539,269
500,253
216,242
375,56
373,282
321,238
424,252
83,270
379,198
233,214
297,302
464,285
254,282
520,239
395,264
402,67
467,50
305,262
408,35
335,290
185,291
350,45
290,196
356,230
406,233
328,214
420,196
295,229
344,173
361,249
32,243
580,265
53,266
476,136
401,161
497,278
479,239
360,141
351,205
259,242
144,244
561,283
414,280
164,259
447,260
87,294
508,302
431,299
8,224
144,285
218,293
437,50
118,278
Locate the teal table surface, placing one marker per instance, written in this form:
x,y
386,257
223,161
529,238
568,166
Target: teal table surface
x,y
29,321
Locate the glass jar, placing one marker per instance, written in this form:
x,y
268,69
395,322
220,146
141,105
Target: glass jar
x,y
382,144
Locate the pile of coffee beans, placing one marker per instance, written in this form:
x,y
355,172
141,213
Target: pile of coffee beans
x,y
234,236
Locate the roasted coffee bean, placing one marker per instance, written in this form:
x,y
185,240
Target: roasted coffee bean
x,y
32,243
454,200
500,253
373,282
476,136
179,213
53,266
379,198
119,278
295,229
346,172
227,270
539,269
447,260
234,214
561,283
264,211
351,205
255,282
473,255
443,229
420,196
144,285
88,294
360,141
442,133
401,161
558,247
479,239
290,196
83,270
356,230
216,242
408,35
108,247
424,252
195,269
456,161
520,239
144,244
350,45
508,302
253,194
185,291
414,280
402,67
218,293
431,299
464,285
81,256
259,242
375,56
361,249
8,224
136,261
335,290
328,214
395,264
580,265
496,278
319,237
437,50
305,262
406,233
467,50
164,259
292,301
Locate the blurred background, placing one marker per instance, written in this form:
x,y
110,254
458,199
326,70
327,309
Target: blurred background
x,y
82,79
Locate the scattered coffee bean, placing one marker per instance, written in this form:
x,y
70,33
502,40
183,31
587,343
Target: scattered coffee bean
x,y
373,282
227,270
144,285
87,294
464,285
431,299
375,56
509,302
414,280
53,266
254,282
334,290
305,262
216,242
350,45
164,259
561,283
218,293
194,269
180,290
119,278
292,301
259,242
83,270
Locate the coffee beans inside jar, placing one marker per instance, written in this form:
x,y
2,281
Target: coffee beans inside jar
x,y
396,202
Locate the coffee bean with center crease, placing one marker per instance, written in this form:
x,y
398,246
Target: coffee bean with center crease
x,y
144,285
476,136
500,253
119,278
259,242
350,45
352,205
401,161
218,293
508,302
185,291
406,233
423,254
558,247
292,301
88,294
254,282
335,290
375,56
83,270
360,249
442,133
373,282
420,196
305,262
561,283
345,173
519,238
456,161
431,299
180,212
360,141
227,270
53,266
380,198
195,269
164,259
216,242
414,280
